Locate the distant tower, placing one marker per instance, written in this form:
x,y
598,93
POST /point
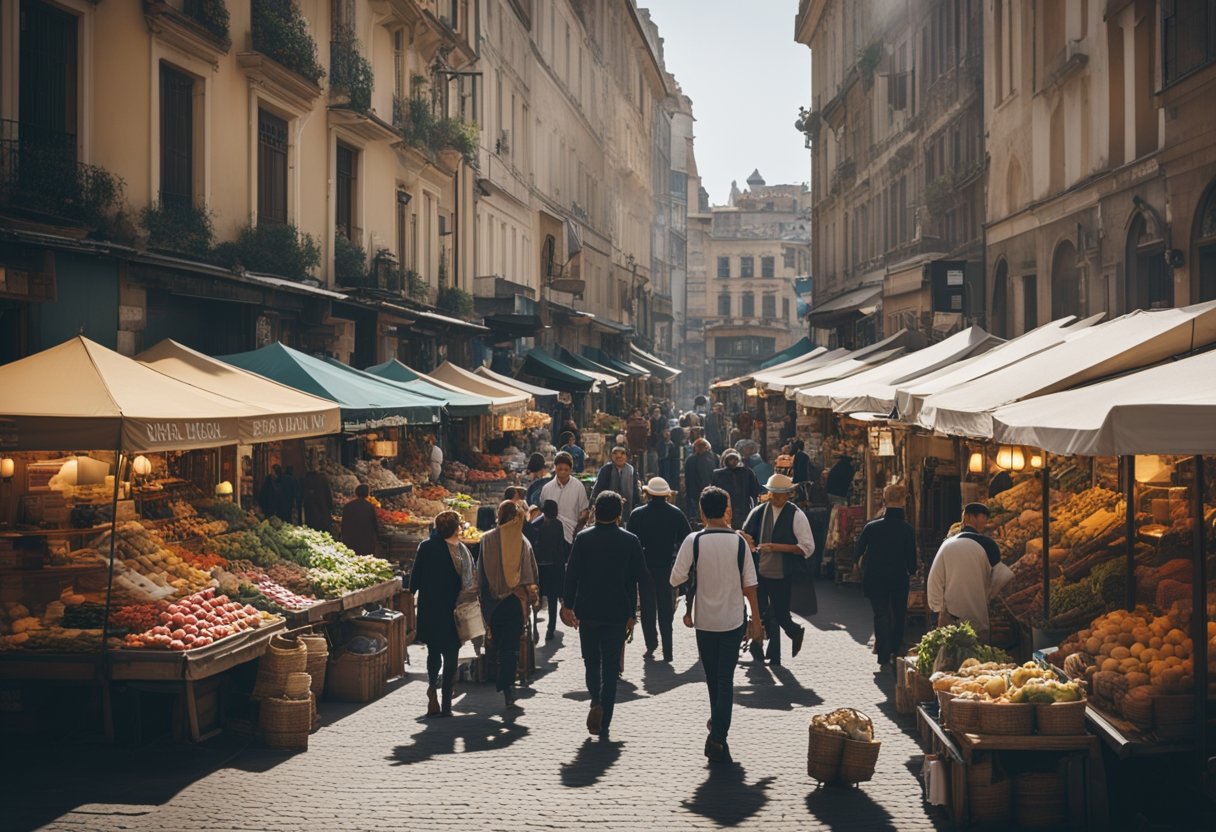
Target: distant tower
x,y
755,180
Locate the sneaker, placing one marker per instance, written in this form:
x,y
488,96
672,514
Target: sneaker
x,y
796,642
595,719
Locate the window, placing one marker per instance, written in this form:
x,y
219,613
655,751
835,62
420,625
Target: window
x,y
403,203
272,168
47,71
176,138
768,306
723,267
345,198
744,347
747,267
788,256
1030,302
785,309
749,305
767,266
724,305
1188,37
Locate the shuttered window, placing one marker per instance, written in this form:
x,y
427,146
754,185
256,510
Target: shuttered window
x,y
272,168
176,138
345,181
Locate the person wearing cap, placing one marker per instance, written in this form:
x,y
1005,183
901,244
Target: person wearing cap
x,y
958,581
886,554
780,536
662,528
738,481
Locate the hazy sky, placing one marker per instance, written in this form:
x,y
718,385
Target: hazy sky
x,y
746,76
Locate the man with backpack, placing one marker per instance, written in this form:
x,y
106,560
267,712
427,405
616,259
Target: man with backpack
x,y
723,575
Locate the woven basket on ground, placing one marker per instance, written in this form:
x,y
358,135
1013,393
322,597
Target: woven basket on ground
x,y
1006,719
858,760
981,771
286,723
283,657
358,677
1039,799
1060,718
990,802
298,686
318,658
823,755
965,715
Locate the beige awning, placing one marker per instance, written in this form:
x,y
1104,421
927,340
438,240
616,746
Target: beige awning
x,y
774,379
505,401
289,413
837,370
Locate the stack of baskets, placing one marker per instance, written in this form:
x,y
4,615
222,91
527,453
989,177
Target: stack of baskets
x,y
833,757
1009,719
989,796
283,656
318,658
286,720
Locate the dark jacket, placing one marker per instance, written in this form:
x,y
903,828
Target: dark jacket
x,y
744,489
661,527
630,490
783,532
603,575
888,545
578,455
804,469
435,576
532,496
698,473
549,542
840,479
316,501
359,530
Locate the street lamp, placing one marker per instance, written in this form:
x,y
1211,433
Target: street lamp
x,y
1011,458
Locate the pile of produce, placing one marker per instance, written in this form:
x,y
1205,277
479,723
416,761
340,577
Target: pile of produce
x,y
605,423
470,534
232,514
333,569
185,528
244,545
70,625
432,492
393,518
456,471
206,561
146,565
486,476
53,640
341,481
197,621
950,646
135,618
423,507
1004,682
486,462
375,476
854,725
535,419
461,502
283,596
89,615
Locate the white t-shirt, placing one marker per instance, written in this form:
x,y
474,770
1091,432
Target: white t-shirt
x,y
571,500
718,606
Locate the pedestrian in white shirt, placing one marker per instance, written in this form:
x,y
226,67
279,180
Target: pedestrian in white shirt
x,y
723,576
569,494
961,572
780,534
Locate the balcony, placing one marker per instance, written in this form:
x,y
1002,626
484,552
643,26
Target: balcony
x,y
661,307
197,27
41,180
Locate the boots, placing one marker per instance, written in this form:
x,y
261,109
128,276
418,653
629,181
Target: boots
x,y
447,701
432,704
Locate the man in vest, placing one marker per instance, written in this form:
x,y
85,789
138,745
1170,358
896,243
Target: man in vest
x,y
958,581
619,476
780,535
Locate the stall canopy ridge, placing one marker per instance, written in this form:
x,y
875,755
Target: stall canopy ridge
x,y
505,400
540,364
836,370
523,386
460,403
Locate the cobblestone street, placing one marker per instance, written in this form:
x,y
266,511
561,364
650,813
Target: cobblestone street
x,y
381,766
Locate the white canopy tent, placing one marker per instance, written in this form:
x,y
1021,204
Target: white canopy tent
x,y
773,379
842,368
1161,410
873,391
1134,340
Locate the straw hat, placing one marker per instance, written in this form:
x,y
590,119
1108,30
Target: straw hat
x,y
658,487
779,484
895,495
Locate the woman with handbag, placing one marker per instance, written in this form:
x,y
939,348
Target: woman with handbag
x,y
443,573
886,556
507,575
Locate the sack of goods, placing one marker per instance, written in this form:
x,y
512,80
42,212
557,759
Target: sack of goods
x,y
842,747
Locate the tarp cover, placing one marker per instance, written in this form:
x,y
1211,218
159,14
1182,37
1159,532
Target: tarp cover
x,y
459,402
655,365
82,396
795,350
505,400
1167,409
1135,340
836,370
793,365
614,365
523,386
542,365
365,402
910,395
818,357
290,414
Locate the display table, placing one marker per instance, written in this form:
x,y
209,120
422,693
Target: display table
x,y
1086,775
1126,740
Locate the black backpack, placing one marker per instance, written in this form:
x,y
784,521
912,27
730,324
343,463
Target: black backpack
x,y
696,554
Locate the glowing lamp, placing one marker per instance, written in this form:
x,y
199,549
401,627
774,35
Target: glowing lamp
x,y
1036,460
141,465
224,489
1010,458
7,468
975,464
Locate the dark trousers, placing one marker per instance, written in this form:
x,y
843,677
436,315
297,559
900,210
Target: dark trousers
x,y
774,598
551,575
889,600
658,604
507,626
601,647
719,654
445,656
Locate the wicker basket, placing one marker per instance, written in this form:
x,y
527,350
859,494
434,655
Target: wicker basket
x,y
922,689
981,772
990,802
283,657
1060,718
286,723
1040,799
298,686
1139,710
858,760
965,715
823,755
357,677
944,698
1173,717
318,659
1006,719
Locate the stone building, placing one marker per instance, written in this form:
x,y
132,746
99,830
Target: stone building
x,y
758,244
1102,194
895,128
693,356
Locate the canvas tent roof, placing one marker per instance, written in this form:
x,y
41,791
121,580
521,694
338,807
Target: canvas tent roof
x,y
80,395
1134,340
290,413
652,363
819,357
796,350
836,370
1159,410
614,365
505,400
459,403
804,361
522,386
540,364
607,376
365,402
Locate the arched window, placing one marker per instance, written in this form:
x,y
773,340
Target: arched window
x,y
1148,283
1205,247
1065,281
999,320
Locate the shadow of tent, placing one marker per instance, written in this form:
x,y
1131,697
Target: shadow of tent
x,y
774,689
439,737
726,797
592,762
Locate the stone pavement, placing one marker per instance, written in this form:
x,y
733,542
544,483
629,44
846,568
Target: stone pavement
x,y
380,766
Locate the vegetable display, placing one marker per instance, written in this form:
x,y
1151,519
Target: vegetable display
x,y
196,621
950,646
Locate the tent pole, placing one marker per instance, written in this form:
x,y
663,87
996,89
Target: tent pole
x,y
1129,533
105,624
1199,607
1046,474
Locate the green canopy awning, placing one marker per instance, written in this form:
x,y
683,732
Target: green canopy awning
x,y
803,346
365,402
540,364
459,403
586,365
615,365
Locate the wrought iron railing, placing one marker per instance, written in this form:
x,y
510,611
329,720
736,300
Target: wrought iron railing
x,y
40,175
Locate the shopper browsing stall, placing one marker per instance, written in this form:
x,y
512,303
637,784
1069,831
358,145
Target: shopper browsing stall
x,y
886,553
316,501
538,473
962,570
360,529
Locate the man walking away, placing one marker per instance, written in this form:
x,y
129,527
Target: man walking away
x,y
740,484
781,536
723,575
886,552
316,501
551,551
619,476
698,471
602,581
661,527
961,571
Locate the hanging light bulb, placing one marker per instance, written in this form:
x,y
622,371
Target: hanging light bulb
x,y
141,466
1010,458
1036,461
975,464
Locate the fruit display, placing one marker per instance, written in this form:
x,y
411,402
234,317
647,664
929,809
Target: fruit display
x,y
135,618
206,561
456,471
461,502
232,514
423,507
950,646
393,518
341,480
533,419
433,492
197,621
851,723
1029,683
470,534
476,475
375,476
53,640
243,545
146,565
605,423
283,596
185,528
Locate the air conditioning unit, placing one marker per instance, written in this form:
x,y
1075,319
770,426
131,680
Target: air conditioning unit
x,y
503,145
